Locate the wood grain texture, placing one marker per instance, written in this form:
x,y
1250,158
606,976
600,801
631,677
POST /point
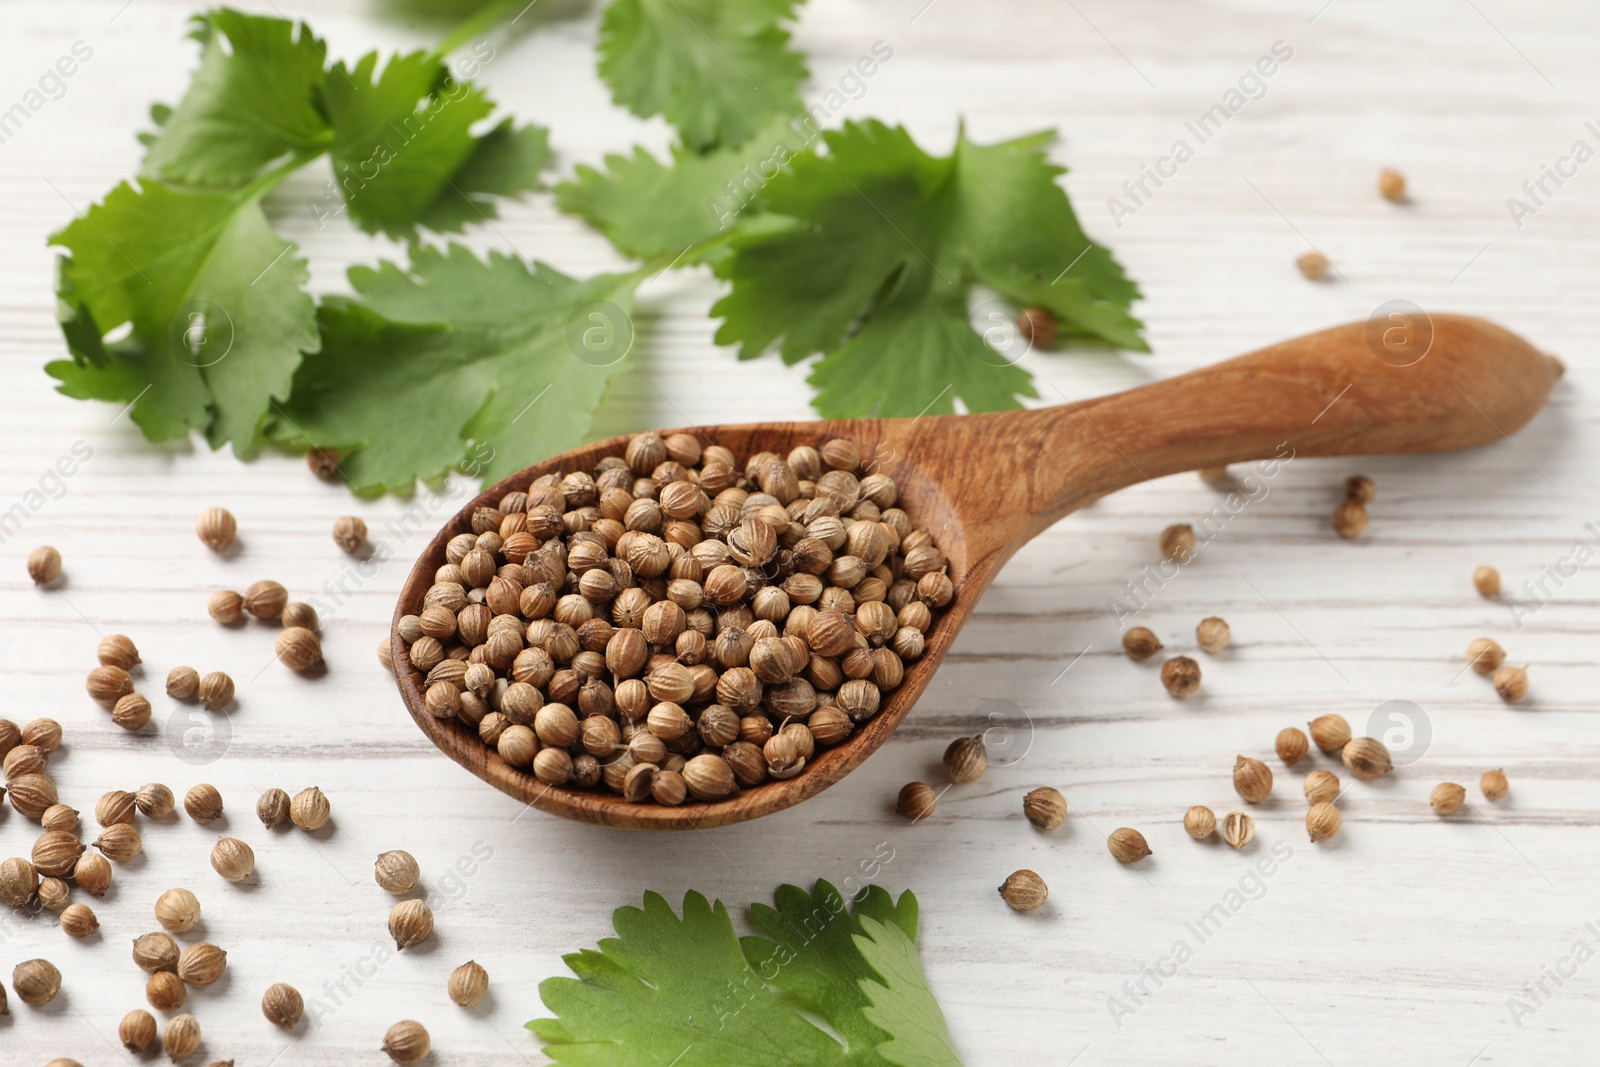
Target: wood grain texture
x,y
1404,942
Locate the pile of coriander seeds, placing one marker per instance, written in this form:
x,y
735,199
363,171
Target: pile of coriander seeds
x,y
671,625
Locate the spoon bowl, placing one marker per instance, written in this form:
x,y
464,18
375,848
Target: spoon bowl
x,y
983,485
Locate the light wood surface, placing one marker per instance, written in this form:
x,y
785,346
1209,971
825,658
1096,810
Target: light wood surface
x,y
1403,940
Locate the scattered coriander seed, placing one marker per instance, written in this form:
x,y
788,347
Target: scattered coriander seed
x,y
1485,655
282,1005
59,817
1367,758
114,807
183,683
386,654
44,565
299,648
1199,822
1330,733
225,606
1252,779
201,964
1238,829
1181,676
54,894
131,712
36,981
18,880
26,759
1140,643
78,920
350,534
965,759
181,1037
1213,634
203,803
117,650
155,952
298,613
92,872
1511,683
154,800
165,991
1045,807
916,801
1127,845
265,599
1213,475
1494,784
233,859
1322,787
178,910
1037,327
468,985
119,842
56,852
1392,185
410,923
310,809
106,685
216,528
32,794
1177,542
137,1031
406,1042
1360,488
273,808
324,463
216,690
1314,265
1350,519
1292,745
397,871
1323,821
1487,581
1024,890
1447,798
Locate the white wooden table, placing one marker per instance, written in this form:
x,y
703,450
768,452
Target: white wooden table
x,y
1406,940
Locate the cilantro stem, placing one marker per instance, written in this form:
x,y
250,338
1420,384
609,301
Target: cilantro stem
x,y
480,22
691,253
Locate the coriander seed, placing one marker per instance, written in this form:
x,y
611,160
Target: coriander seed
x,y
1367,758
131,712
1494,784
201,964
225,606
137,1030
44,565
117,650
32,794
709,777
25,759
1199,822
78,920
282,1005
1511,683
1322,787
468,984
298,614
1037,327
1485,655
36,981
165,991
410,923
1127,845
916,801
56,852
181,1037
1213,634
1045,807
1181,676
154,800
106,685
216,690
1392,185
1177,542
1447,798
966,759
114,807
1213,475
183,683
233,859
299,648
1314,265
324,463
273,808
1140,643
310,809
397,871
1238,829
216,528
92,872
119,842
350,534
1292,745
203,803
1322,822
18,880
155,952
406,1042
1350,519
178,910
1252,779
1330,733
59,817
54,894
1024,890
1360,488
1487,581
265,599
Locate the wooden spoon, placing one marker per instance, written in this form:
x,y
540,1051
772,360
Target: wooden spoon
x,y
983,485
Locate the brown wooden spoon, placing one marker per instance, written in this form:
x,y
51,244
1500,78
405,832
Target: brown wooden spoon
x,y
983,485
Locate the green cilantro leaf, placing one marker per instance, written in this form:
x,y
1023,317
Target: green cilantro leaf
x,y
250,102
684,991
716,69
872,270
403,142
652,210
211,295
455,351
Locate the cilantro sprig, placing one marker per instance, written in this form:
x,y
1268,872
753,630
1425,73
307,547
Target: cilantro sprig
x,y
686,990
